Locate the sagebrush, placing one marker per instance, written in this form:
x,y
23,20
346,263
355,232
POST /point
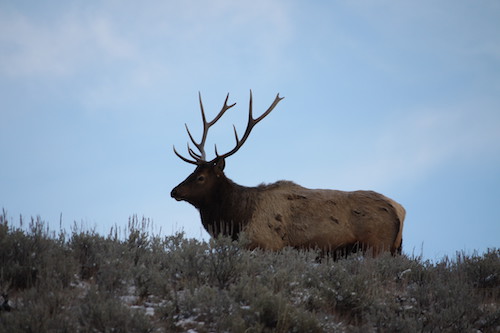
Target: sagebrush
x,y
80,281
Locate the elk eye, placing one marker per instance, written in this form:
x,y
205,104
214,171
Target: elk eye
x,y
200,178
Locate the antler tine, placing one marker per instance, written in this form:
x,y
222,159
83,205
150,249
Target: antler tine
x,y
206,126
190,136
200,146
268,111
194,155
251,123
222,111
183,158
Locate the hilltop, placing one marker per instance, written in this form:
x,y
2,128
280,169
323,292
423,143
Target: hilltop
x,y
134,281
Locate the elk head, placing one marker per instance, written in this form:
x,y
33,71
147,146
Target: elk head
x,y
203,185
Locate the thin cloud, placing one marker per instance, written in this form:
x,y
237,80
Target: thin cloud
x,y
419,143
149,51
61,48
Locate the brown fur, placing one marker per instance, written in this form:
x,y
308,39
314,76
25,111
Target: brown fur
x,y
285,214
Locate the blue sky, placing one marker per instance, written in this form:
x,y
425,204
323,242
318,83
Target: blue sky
x,y
398,97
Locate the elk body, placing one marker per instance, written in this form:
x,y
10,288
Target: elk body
x,y
285,214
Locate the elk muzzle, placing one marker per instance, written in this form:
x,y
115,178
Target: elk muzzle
x,y
176,194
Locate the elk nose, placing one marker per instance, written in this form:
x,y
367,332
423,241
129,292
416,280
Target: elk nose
x,y
175,194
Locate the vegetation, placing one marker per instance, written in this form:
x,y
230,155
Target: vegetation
x,y
138,282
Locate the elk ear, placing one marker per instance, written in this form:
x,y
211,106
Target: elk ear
x,y
219,164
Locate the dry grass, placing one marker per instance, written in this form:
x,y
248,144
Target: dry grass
x,y
82,281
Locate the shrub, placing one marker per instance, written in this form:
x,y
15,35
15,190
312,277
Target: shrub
x,y
140,282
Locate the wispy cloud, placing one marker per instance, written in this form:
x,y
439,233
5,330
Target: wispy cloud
x,y
113,53
61,48
76,39
417,144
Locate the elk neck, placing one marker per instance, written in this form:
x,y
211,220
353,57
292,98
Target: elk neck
x,y
229,208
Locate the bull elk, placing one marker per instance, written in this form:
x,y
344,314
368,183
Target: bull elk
x,y
282,214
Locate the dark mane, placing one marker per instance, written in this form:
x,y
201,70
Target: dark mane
x,y
231,211
278,184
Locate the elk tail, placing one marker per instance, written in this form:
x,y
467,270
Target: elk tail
x,y
401,214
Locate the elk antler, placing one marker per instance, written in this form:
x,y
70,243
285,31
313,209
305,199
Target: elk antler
x,y
201,157
251,123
